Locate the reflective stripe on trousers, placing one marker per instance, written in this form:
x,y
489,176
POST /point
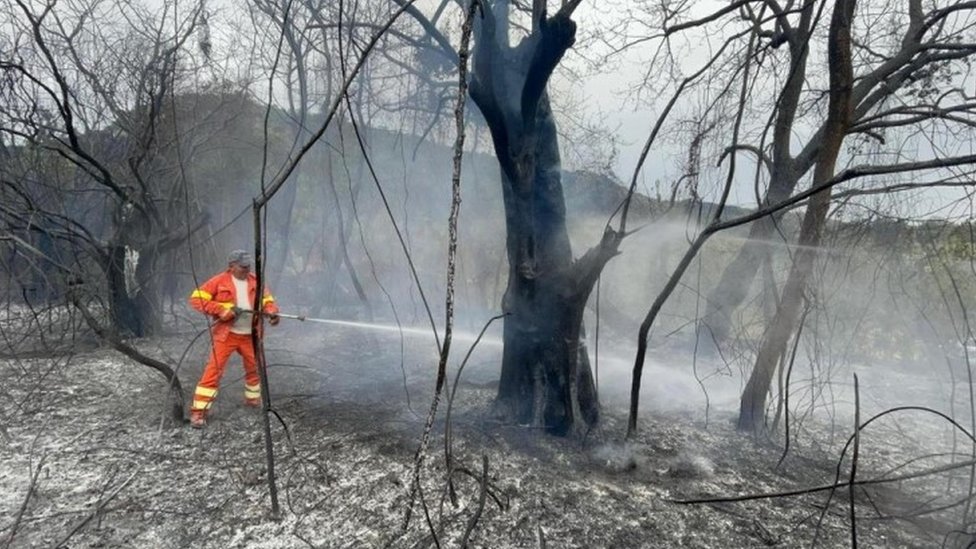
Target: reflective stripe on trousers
x,y
209,383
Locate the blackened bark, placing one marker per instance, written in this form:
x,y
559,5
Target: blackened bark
x,y
543,346
123,311
148,298
137,312
544,363
545,378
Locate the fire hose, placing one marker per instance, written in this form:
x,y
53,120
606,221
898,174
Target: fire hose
x,y
302,318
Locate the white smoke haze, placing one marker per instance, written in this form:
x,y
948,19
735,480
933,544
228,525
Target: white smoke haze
x,y
91,458
847,331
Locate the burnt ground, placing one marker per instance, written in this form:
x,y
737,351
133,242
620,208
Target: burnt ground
x,y
89,460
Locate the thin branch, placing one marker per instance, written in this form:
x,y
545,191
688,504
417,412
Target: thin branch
x,y
854,456
293,161
481,503
463,51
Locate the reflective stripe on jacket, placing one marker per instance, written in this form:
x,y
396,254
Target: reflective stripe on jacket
x,y
218,294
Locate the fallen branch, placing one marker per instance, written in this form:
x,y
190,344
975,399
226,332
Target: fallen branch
x,y
113,339
826,487
98,509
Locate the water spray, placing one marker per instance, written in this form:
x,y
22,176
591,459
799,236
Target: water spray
x,y
354,324
460,336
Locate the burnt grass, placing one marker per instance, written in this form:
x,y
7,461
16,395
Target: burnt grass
x,y
89,459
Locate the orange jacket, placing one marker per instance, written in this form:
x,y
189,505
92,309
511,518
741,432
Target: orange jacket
x,y
218,294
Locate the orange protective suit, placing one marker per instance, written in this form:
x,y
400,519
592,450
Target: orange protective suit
x,y
213,298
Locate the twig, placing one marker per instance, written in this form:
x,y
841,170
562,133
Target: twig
x,y
257,344
857,444
448,438
786,390
434,534
304,540
850,439
826,487
98,509
445,349
23,506
502,505
481,502
665,293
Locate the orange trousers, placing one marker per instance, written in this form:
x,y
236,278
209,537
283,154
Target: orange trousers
x,y
206,391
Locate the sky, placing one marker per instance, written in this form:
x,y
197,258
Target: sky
x,y
603,94
607,94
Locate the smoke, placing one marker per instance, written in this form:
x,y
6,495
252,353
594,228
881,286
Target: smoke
x,y
618,457
873,307
627,457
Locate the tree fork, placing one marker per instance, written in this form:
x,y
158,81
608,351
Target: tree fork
x,y
545,378
870,91
839,110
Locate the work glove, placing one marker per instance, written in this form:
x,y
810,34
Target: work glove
x,y
227,315
274,320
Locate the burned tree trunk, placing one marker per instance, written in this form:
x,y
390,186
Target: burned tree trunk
x,y
784,173
123,310
545,377
753,402
131,266
903,66
733,286
131,269
545,360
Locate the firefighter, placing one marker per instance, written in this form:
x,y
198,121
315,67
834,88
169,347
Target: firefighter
x,y
228,298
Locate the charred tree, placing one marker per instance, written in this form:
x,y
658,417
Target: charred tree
x,y
927,45
736,279
108,133
123,310
545,377
294,74
839,110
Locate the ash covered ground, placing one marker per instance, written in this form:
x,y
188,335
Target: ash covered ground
x,y
90,460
